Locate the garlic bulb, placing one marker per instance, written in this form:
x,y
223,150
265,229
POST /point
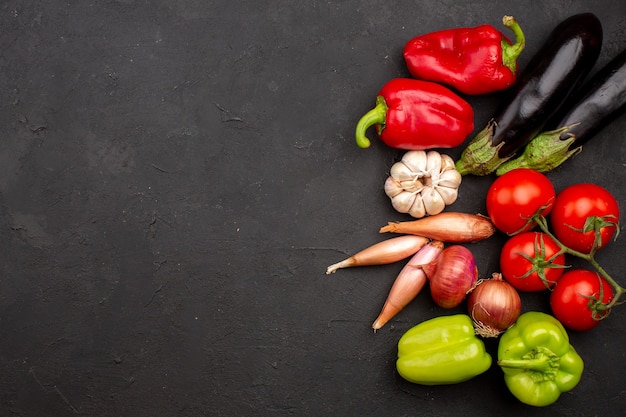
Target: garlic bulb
x,y
423,183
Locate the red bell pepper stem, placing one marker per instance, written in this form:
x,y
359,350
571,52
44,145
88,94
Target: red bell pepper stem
x,y
510,52
376,116
474,61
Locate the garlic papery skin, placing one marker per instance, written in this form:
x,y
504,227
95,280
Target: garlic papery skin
x,y
400,172
447,163
393,187
451,179
433,163
414,186
448,195
423,183
403,201
416,162
417,209
433,202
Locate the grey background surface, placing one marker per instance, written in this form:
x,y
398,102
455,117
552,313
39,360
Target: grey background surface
x,y
175,177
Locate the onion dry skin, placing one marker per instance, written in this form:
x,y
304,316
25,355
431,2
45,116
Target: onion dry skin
x,y
449,227
382,253
494,306
452,276
408,283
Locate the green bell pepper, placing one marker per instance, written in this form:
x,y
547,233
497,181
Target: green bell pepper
x,y
537,359
443,350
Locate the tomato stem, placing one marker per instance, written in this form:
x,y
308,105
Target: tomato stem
x,y
540,263
618,290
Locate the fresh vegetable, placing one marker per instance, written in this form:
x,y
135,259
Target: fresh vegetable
x,y
494,306
451,275
475,60
537,359
582,212
516,196
414,114
448,227
531,261
597,104
442,350
408,283
522,198
558,67
385,252
578,301
423,183
618,290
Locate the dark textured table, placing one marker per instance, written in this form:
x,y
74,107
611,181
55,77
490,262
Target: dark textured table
x,y
175,177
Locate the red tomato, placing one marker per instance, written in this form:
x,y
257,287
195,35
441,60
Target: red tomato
x,y
571,209
516,196
528,257
572,299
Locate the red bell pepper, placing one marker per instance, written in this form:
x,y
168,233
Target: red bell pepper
x,y
414,114
475,60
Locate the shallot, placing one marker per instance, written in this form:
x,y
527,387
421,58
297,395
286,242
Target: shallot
x,y
451,275
494,306
448,227
385,252
408,283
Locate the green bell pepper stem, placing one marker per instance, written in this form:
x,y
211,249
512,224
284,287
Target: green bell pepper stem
x,y
510,53
538,362
376,116
618,290
542,360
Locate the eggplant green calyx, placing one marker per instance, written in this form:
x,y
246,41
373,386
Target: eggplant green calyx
x,y
480,157
510,52
375,117
544,153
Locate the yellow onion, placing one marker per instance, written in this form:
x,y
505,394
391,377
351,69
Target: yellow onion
x,y
494,305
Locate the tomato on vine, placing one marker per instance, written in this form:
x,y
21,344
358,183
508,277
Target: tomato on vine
x,y
515,197
585,217
531,261
578,299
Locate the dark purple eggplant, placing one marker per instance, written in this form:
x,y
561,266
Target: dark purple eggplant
x,y
561,64
600,101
